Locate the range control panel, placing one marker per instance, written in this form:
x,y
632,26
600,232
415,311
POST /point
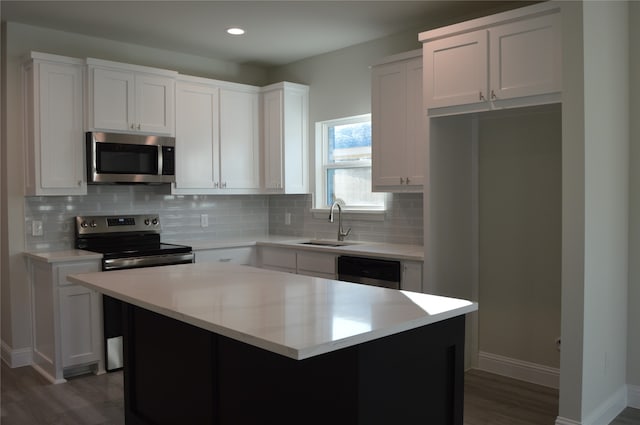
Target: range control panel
x,y
86,225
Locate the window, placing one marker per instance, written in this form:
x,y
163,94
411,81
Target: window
x,y
344,164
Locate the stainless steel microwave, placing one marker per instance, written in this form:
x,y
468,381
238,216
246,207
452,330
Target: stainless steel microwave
x,y
130,158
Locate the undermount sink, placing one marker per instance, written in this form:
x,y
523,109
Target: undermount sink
x,y
320,242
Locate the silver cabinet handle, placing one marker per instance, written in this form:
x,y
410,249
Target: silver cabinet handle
x,y
481,96
493,95
224,184
407,180
401,180
133,126
138,126
215,184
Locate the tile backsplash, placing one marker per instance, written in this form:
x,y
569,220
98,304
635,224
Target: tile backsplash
x,y
229,216
402,221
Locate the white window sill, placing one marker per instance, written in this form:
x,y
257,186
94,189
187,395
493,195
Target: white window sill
x,y
364,215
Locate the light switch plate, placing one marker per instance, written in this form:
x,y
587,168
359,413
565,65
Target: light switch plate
x,y
204,220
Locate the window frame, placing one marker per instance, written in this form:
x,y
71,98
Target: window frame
x,y
323,167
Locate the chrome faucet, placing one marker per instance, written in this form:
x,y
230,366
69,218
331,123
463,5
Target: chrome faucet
x,y
341,232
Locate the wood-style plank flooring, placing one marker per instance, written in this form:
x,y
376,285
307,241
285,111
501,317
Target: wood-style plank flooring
x,y
28,399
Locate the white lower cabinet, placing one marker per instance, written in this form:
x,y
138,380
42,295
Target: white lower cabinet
x,y
411,279
308,263
241,255
318,264
67,320
281,259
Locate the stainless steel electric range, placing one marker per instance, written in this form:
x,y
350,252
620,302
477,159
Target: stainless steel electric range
x,y
125,242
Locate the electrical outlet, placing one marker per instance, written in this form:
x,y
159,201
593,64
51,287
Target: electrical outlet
x,y
204,220
287,218
36,228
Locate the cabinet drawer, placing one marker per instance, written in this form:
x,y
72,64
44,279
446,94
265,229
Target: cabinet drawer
x,y
242,255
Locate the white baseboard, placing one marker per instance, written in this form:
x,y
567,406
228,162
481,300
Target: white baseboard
x,y
519,369
609,409
15,358
633,396
565,421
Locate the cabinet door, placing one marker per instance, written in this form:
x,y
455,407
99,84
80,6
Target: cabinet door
x,y
239,141
455,70
272,104
526,58
79,312
416,121
411,276
285,136
80,316
61,137
388,124
154,103
277,259
113,99
317,264
241,255
197,156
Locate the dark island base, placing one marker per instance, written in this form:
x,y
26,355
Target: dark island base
x,y
176,373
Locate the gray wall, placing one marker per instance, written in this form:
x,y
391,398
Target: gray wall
x,y
520,231
633,341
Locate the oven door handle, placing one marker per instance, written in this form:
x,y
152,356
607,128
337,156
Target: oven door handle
x,y
147,261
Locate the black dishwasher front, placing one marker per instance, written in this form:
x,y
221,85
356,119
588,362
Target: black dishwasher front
x,y
369,271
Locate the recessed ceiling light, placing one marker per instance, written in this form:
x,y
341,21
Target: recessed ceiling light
x,y
235,31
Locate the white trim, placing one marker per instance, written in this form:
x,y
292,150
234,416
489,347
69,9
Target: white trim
x,y
519,369
633,396
15,358
564,421
607,411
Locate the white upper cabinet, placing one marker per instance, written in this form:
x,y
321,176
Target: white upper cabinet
x,y
217,143
505,60
525,58
398,124
456,70
197,137
239,138
130,98
54,148
285,138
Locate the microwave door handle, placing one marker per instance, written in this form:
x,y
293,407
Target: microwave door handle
x,y
160,162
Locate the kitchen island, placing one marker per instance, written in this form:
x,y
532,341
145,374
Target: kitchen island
x,y
227,344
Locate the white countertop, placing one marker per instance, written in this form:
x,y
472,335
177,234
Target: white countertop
x,y
64,256
293,315
363,248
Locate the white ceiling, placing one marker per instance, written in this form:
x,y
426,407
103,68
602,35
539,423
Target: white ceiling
x,y
278,32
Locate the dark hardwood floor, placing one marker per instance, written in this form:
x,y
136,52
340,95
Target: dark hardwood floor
x,y
28,399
